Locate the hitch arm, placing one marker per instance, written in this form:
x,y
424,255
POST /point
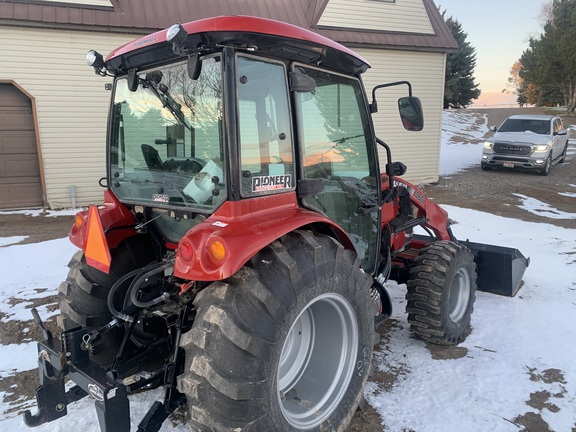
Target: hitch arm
x,y
50,395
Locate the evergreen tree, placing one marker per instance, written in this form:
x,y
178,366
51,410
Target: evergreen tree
x,y
460,89
550,61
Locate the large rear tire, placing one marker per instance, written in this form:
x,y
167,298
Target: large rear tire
x,y
441,293
283,345
83,295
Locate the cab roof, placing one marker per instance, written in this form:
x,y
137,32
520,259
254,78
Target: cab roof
x,y
274,38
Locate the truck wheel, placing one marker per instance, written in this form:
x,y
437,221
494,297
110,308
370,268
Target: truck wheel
x,y
83,295
564,153
285,344
547,167
441,293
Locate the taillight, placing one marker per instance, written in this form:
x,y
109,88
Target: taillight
x,y
217,250
186,251
78,221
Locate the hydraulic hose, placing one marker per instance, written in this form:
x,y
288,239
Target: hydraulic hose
x,y
135,285
119,283
112,294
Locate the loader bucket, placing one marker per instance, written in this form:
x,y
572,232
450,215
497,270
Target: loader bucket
x,y
500,269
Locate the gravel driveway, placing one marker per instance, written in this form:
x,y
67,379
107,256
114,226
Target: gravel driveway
x,y
507,192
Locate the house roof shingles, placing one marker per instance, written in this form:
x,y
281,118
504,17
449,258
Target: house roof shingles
x,y
146,16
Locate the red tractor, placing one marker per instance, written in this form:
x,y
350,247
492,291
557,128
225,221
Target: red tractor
x,y
247,231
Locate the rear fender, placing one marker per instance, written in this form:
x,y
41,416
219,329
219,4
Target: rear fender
x,y
218,247
113,214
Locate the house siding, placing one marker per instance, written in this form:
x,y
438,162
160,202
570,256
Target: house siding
x,y
406,16
420,151
72,105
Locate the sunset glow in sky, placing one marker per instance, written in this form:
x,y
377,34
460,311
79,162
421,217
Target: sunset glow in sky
x,y
499,30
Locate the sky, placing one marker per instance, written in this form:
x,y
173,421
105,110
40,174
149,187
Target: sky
x,y
499,30
517,363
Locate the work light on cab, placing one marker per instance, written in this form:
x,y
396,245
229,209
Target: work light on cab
x,y
176,34
96,60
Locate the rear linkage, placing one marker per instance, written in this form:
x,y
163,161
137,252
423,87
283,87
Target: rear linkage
x,y
69,357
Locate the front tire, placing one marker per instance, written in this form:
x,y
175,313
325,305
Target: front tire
x,y
547,167
441,293
283,345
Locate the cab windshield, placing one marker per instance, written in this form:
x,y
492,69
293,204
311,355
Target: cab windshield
x,y
166,145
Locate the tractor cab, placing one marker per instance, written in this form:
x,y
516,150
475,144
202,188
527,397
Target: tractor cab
x,y
200,119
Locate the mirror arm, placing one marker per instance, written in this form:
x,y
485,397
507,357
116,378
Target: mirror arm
x,y
389,161
374,104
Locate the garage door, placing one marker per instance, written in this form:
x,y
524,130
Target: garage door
x,y
20,185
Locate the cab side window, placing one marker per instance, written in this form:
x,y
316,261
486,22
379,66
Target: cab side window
x,y
266,150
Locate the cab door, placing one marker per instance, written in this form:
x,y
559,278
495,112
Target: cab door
x,y
336,149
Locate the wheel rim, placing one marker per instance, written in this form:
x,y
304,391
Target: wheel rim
x,y
317,361
459,294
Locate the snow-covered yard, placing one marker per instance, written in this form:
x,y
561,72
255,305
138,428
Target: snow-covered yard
x,y
517,367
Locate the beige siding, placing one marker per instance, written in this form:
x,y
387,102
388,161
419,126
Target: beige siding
x,y
71,102
407,16
72,105
420,151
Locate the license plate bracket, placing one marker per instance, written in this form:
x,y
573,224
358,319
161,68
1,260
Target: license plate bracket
x,y
508,165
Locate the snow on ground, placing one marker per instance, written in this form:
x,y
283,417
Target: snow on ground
x,y
462,140
515,344
45,213
519,358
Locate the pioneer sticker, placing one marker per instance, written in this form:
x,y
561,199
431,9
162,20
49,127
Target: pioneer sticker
x,y
274,182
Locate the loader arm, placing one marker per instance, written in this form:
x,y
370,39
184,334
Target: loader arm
x,y
429,214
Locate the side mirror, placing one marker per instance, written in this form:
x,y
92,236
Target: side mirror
x,y
410,109
493,128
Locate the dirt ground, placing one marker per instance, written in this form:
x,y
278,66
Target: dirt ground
x,y
491,191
